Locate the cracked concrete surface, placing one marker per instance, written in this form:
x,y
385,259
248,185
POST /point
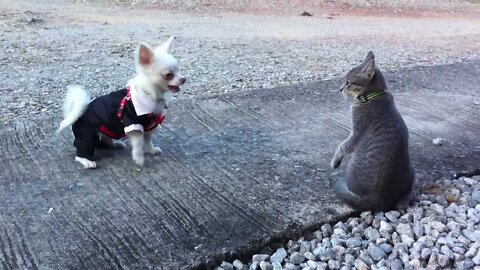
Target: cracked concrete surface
x,y
236,168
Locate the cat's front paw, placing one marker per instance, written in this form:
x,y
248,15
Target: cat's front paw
x,y
336,161
153,150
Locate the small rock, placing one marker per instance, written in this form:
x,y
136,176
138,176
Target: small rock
x,y
277,266
360,265
476,259
392,216
433,258
371,234
415,263
404,229
354,242
306,14
326,254
312,264
339,232
254,265
308,255
304,247
326,230
387,248
238,265
337,241
418,229
326,242
406,218
376,253
266,265
365,257
472,234
437,208
297,258
442,260
465,264
226,265
459,250
381,241
349,258
279,255
339,251
407,240
458,257
333,264
440,227
291,266
260,257
475,196
396,265
314,243
445,250
472,250
425,254
438,141
385,229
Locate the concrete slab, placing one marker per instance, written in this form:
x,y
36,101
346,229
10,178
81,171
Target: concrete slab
x,y
236,170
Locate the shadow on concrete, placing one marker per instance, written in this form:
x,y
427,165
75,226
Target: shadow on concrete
x,y
236,170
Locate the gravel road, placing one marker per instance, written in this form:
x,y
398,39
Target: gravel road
x,y
45,47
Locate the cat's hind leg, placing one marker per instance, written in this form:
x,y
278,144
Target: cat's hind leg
x,y
361,203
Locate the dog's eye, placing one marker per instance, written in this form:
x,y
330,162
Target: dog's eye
x,y
168,76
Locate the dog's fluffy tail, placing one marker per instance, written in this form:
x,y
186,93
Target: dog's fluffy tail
x,y
74,106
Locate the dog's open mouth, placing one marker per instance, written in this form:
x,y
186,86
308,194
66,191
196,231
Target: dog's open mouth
x,y
174,88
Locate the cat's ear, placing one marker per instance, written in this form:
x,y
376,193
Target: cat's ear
x,y
369,57
369,69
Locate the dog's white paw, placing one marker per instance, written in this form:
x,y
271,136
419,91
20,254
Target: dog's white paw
x,y
138,158
153,150
119,144
88,164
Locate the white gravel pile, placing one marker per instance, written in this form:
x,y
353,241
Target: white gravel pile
x,y
440,231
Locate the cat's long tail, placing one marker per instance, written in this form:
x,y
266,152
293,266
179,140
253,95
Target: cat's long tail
x,y
352,199
74,106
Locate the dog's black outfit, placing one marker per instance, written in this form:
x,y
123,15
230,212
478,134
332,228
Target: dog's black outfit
x,y
113,115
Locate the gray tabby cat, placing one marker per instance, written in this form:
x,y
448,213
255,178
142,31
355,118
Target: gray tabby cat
x,y
379,175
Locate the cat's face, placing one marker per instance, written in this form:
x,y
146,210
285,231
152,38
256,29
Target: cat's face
x,y
357,80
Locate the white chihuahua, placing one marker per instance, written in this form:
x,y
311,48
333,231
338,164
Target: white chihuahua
x,y
134,111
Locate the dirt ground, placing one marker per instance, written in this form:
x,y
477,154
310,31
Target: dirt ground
x,y
245,151
46,45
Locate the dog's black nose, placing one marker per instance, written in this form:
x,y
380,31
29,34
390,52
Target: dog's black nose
x,y
183,80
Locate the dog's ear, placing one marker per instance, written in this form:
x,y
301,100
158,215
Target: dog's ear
x,y
144,55
167,46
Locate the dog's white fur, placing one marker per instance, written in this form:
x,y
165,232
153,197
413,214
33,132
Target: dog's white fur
x,y
157,75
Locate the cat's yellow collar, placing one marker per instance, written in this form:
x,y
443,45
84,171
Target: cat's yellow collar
x,y
368,96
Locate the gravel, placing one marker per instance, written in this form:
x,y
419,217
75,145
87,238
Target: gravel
x,y
45,47
413,238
